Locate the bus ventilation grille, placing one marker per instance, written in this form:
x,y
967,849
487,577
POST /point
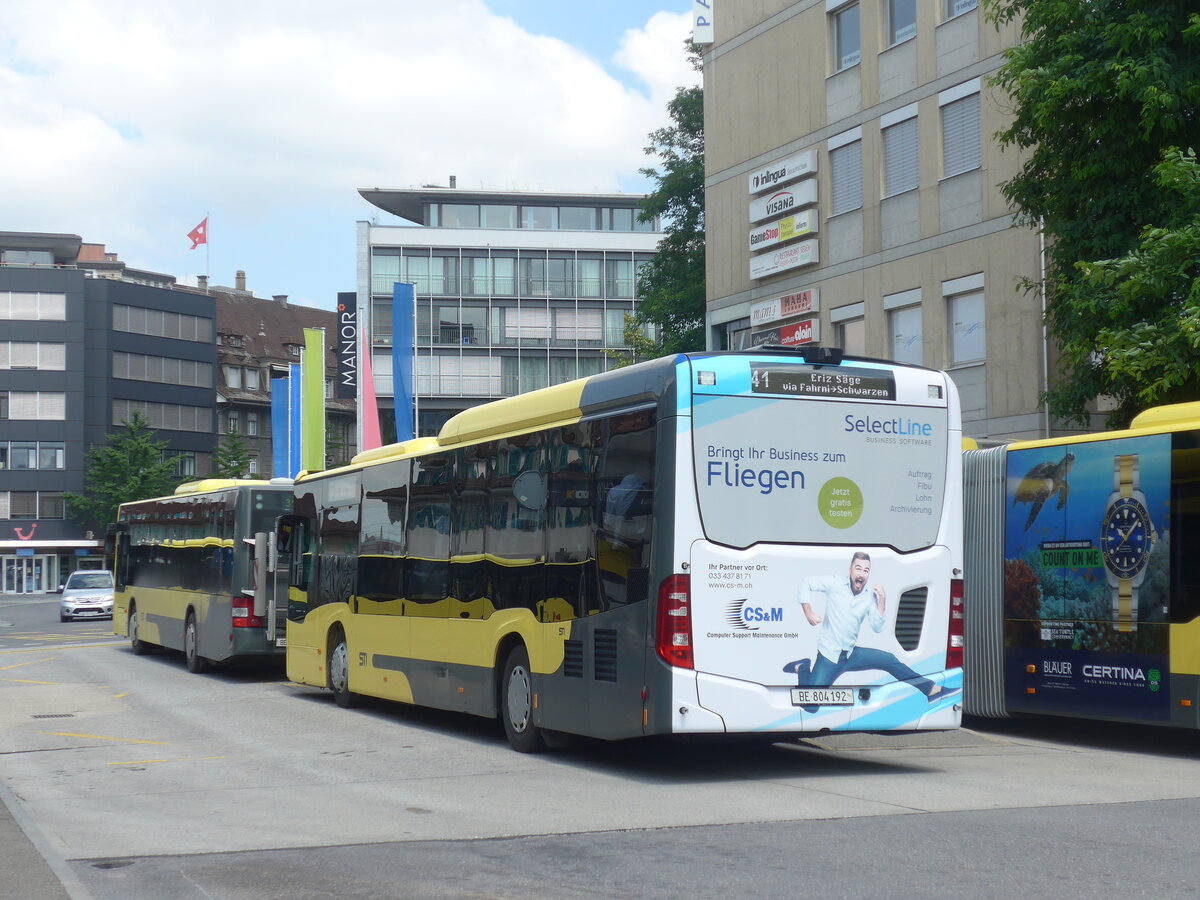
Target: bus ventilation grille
x,y
606,654
910,616
573,659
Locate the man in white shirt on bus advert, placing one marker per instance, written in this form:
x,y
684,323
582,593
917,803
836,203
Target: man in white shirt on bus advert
x,y
847,602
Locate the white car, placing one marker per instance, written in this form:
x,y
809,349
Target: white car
x,y
88,594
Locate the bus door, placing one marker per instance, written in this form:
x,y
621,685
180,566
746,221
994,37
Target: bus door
x,y
273,567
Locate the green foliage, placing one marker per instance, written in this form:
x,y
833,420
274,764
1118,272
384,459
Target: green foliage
x,y
231,459
1101,90
671,285
130,466
1154,352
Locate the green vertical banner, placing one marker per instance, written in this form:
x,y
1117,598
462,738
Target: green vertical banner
x,y
312,401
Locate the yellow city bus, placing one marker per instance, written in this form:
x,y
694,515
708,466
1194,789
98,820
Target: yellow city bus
x,y
650,551
1083,581
185,571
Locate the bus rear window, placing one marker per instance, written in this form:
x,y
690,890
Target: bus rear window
x,y
794,470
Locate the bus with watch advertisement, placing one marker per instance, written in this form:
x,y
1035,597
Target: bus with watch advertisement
x,y
1083,578
764,542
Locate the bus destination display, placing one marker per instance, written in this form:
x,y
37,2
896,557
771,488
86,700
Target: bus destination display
x,y
823,381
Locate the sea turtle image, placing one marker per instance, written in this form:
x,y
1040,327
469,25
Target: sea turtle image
x,y
1042,482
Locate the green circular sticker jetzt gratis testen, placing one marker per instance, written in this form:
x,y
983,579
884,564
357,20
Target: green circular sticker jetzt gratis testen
x,y
840,502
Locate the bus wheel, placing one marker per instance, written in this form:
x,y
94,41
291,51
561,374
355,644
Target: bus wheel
x,y
139,647
191,646
516,704
337,673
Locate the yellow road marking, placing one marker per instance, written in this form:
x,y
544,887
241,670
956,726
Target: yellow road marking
x,y
143,762
63,647
28,663
120,695
101,737
27,681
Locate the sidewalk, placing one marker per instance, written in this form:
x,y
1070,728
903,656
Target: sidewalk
x,y
24,872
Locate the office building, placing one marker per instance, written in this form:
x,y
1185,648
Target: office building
x,y
82,349
514,290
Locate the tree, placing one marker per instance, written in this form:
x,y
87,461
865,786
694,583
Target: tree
x,y
1101,91
1156,356
130,466
231,459
671,284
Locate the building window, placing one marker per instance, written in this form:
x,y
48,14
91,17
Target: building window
x,y
845,37
964,306
170,416
460,215
905,326
251,424
901,20
960,132
252,466
184,460
577,218
541,217
50,505
849,324
901,164
233,422
24,306
45,357
158,323
958,7
22,504
33,405
51,455
845,168
233,376
250,378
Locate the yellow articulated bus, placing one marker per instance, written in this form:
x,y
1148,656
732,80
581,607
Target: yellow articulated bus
x,y
650,551
1083,580
186,575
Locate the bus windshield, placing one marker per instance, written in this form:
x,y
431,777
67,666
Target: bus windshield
x,y
807,470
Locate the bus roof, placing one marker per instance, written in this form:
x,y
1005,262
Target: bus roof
x,y
219,484
1155,420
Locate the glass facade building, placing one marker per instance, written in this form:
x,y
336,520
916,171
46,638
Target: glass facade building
x,y
514,291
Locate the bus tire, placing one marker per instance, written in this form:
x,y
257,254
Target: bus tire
x,y
136,644
516,703
337,671
191,646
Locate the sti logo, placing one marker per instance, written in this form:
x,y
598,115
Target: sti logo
x,y
748,618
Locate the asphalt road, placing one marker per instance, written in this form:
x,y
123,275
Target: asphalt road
x,y
129,778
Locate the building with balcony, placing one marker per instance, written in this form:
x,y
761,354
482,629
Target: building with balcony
x,y
80,351
514,290
853,195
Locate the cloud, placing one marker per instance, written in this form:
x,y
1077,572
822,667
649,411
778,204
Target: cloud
x,y
126,120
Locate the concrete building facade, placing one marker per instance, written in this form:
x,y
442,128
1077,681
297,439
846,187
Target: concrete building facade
x,y
853,195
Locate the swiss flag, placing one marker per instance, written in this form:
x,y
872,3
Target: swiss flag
x,y
199,234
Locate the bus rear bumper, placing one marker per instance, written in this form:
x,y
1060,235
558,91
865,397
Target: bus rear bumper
x,y
746,707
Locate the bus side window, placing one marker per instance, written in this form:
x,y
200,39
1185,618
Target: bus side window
x,y
625,489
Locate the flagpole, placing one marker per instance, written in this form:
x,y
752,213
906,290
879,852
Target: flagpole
x,y
207,245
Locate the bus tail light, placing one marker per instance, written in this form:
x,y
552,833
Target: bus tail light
x,y
243,613
675,621
954,642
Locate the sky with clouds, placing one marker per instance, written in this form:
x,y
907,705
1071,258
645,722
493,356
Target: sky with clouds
x,y
127,121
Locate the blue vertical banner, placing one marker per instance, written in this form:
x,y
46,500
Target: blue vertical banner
x,y
280,433
293,419
403,302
